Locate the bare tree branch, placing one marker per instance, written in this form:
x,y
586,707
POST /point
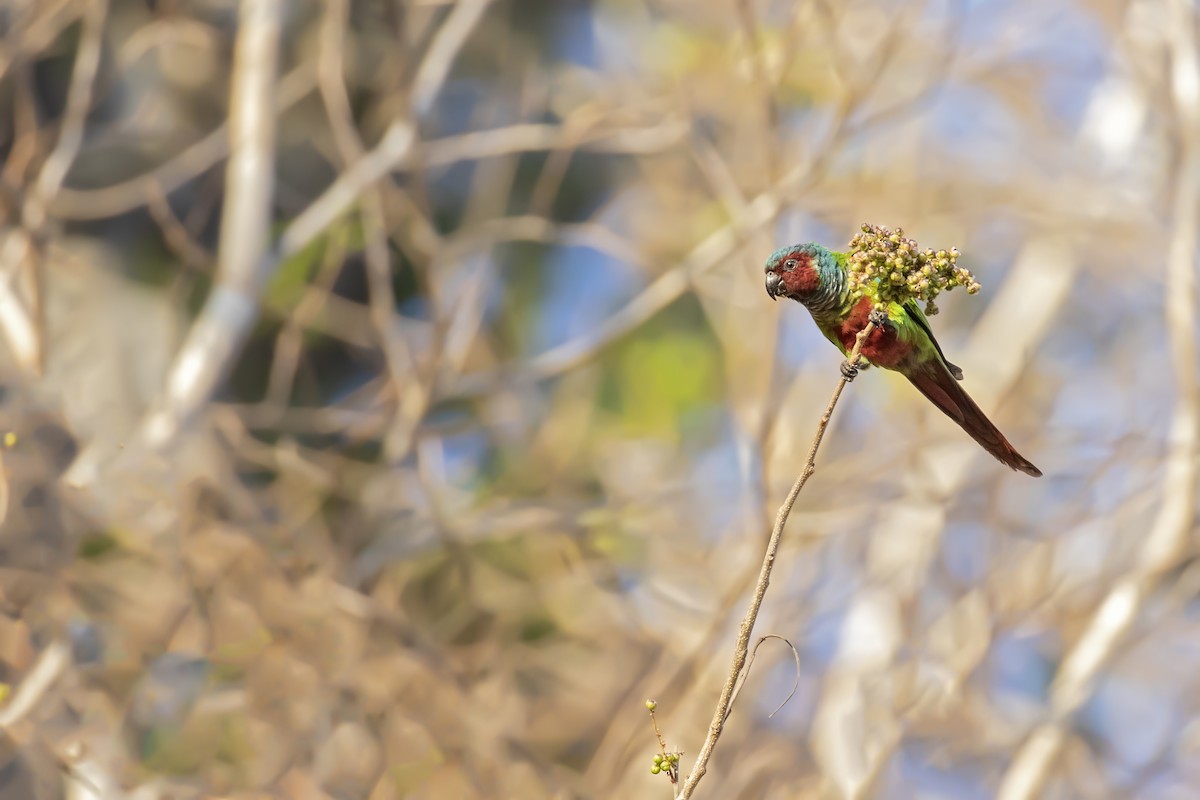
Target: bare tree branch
x,y
1168,539
16,319
123,197
217,335
40,679
668,288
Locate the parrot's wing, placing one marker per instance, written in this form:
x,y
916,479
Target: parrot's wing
x,y
916,315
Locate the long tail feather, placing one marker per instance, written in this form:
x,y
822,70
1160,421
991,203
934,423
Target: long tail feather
x,y
936,383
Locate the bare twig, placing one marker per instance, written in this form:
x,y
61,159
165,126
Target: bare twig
x,y
289,342
21,327
534,136
79,99
742,646
227,318
854,737
397,141
401,364
41,678
1168,539
662,743
436,65
44,27
120,198
763,82
669,287
748,218
3,490
750,665
175,232
393,152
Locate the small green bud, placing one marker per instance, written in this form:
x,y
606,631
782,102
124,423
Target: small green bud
x,y
655,769
658,759
651,705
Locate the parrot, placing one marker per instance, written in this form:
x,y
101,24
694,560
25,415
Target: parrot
x,y
902,341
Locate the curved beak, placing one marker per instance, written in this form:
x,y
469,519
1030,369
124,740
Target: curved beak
x,y
773,280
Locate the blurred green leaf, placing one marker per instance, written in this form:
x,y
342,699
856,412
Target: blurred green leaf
x,y
664,374
95,546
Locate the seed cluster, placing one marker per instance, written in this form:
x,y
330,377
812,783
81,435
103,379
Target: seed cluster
x,y
894,269
666,762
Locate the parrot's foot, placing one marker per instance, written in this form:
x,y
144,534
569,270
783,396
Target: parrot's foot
x,y
879,318
850,371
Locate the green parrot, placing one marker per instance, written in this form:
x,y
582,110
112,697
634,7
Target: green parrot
x,y
902,340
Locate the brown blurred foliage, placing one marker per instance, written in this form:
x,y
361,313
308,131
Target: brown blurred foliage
x,y
395,404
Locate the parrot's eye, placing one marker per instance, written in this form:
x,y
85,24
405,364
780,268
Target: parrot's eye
x,y
790,264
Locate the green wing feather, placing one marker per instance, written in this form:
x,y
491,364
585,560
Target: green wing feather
x,y
914,312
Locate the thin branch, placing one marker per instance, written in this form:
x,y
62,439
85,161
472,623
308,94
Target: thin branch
x,y
175,232
750,665
21,40
230,313
742,646
669,287
398,140
393,152
50,665
79,100
289,343
3,490
1168,540
763,82
225,322
435,67
21,327
194,160
527,137
714,249
411,392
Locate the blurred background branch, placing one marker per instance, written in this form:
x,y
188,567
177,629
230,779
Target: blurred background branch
x,y
445,323
1168,541
20,311
218,333
740,668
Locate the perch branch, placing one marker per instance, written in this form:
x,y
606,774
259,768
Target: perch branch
x,y
742,646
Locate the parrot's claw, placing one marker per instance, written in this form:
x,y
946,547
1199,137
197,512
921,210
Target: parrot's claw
x,y
878,318
850,371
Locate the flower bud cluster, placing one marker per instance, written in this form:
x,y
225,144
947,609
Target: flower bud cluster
x,y
894,269
666,762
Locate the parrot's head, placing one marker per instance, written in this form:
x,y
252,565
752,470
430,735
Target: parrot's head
x,y
797,271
